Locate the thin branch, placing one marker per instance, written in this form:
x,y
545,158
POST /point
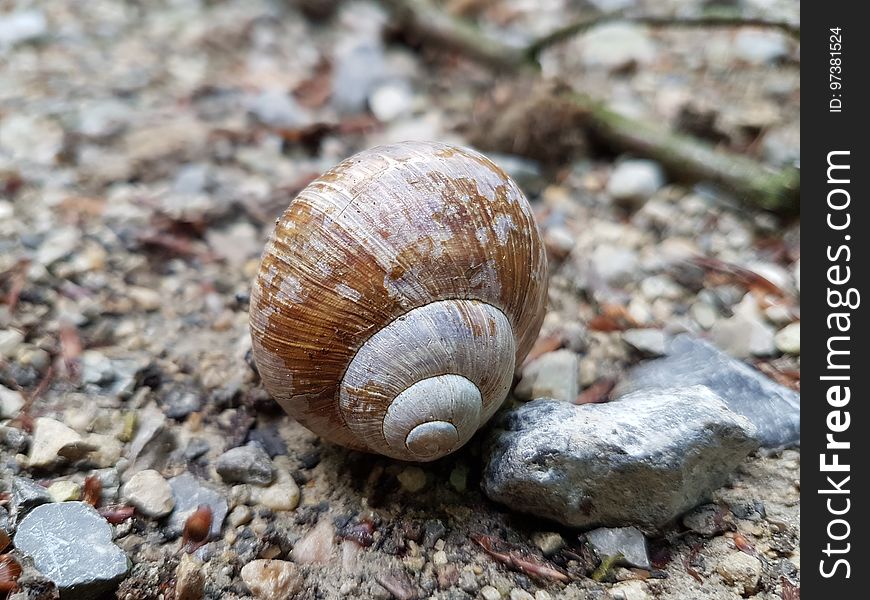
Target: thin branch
x,y
422,20
580,26
683,156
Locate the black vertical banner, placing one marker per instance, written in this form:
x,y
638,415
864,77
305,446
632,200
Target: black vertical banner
x,y
835,368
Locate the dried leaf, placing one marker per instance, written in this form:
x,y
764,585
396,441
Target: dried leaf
x,y
789,590
116,513
544,344
10,571
596,393
613,317
740,275
197,528
93,490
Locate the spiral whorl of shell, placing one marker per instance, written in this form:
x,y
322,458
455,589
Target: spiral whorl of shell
x,y
395,296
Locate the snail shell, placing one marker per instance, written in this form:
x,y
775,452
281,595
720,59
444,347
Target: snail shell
x,y
396,295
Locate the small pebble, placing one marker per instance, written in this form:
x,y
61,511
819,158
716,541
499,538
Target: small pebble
x,y
246,464
281,495
150,493
788,339
189,578
742,571
270,579
518,594
553,375
634,181
549,542
317,547
64,491
11,402
627,541
412,479
629,590
240,515
489,593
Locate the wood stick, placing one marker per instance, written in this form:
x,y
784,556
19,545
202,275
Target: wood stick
x,y
682,156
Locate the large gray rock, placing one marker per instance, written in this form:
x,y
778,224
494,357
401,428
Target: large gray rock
x,y
71,544
643,461
772,408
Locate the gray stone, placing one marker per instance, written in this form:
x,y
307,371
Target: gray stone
x,y
772,408
359,67
647,341
21,26
642,461
615,46
627,541
104,118
71,544
634,181
757,46
26,495
614,264
276,108
189,493
246,464
553,375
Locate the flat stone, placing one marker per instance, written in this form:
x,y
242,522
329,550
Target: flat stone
x,y
553,375
49,437
772,408
246,464
627,541
272,579
71,544
189,493
150,493
584,465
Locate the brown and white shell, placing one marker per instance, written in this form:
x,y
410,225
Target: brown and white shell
x,y
395,296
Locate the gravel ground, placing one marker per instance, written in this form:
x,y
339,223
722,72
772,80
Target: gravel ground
x,y
145,151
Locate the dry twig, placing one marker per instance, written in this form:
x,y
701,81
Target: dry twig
x,y
684,157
